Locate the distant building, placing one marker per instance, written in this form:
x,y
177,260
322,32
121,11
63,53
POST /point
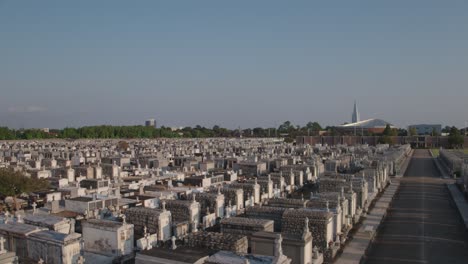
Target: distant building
x,y
426,129
150,123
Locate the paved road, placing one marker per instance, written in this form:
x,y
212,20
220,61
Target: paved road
x,y
423,225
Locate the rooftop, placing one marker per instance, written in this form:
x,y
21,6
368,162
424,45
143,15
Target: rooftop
x,y
18,228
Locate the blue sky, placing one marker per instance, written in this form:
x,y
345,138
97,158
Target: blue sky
x,y
232,63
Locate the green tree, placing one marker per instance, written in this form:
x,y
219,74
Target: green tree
x,y
285,127
387,131
402,132
385,140
14,183
413,131
313,126
455,138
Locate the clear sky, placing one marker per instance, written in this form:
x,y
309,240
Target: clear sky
x,y
232,63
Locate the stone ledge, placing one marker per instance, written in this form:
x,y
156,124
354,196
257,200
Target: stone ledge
x,y
460,202
355,251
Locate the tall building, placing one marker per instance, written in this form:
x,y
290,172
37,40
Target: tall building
x,y
355,118
150,123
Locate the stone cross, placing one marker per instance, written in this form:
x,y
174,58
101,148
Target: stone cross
x,y
7,217
278,246
124,221
193,198
315,252
41,261
2,245
306,225
164,206
82,245
34,206
81,260
174,246
18,219
228,211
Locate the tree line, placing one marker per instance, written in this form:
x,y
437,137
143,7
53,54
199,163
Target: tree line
x,y
287,129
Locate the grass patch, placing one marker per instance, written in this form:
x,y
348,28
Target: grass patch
x,y
437,151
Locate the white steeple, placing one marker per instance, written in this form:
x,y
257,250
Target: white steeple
x,y
355,117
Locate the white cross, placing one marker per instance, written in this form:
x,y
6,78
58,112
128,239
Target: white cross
x,y
41,261
2,245
7,217
34,205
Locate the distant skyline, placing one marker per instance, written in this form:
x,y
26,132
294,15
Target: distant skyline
x,y
232,63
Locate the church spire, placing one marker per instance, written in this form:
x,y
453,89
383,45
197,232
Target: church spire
x,y
355,117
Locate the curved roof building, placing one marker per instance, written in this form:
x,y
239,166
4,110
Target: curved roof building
x,y
369,125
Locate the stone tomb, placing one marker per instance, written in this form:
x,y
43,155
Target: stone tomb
x,y
156,221
212,201
286,203
268,213
32,243
109,238
333,206
233,196
185,211
245,226
218,241
51,222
